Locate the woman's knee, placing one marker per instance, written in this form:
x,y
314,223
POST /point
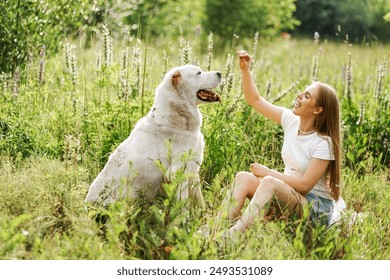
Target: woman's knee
x,y
280,190
242,176
271,183
246,183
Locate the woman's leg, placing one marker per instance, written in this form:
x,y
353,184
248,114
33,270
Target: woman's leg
x,y
270,187
244,186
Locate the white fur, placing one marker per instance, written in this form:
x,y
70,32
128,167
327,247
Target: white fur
x,y
131,169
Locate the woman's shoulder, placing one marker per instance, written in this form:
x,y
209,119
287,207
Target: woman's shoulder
x,y
322,147
288,117
324,138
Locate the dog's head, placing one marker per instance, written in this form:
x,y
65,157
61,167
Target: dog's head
x,y
191,83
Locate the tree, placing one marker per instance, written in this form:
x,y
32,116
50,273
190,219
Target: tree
x,y
27,25
360,19
245,18
380,27
316,16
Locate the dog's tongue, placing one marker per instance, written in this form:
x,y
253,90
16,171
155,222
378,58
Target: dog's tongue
x,y
208,96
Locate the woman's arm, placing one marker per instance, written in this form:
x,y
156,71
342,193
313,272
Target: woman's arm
x,y
303,185
251,93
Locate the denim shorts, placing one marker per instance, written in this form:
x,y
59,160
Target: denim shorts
x,y
321,209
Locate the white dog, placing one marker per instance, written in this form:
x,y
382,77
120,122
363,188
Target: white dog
x,y
132,169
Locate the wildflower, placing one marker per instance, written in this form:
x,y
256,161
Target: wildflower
x,y
16,83
255,45
198,30
123,74
315,68
361,115
99,61
316,37
210,51
268,88
41,71
137,66
67,56
165,64
74,70
228,76
348,77
186,52
107,46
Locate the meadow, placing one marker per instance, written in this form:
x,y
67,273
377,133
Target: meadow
x,y
61,117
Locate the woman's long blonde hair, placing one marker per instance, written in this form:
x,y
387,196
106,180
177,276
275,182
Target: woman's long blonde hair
x,y
328,123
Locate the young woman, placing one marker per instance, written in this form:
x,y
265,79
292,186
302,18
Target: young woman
x,y
311,154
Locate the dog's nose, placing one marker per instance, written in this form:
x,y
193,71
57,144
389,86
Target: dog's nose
x,y
219,74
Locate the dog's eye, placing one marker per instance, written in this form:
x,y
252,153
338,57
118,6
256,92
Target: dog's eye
x,y
199,73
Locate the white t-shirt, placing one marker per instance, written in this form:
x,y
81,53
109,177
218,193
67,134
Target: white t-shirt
x,y
298,150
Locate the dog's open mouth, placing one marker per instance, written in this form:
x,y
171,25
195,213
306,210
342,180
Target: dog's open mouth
x,y
207,95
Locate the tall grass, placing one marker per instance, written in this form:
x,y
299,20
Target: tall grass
x,y
61,117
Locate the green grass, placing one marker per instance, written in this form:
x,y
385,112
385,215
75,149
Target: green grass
x,y
56,136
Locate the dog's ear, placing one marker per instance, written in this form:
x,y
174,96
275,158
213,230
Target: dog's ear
x,y
176,78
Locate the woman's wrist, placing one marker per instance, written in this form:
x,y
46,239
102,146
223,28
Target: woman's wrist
x,y
273,173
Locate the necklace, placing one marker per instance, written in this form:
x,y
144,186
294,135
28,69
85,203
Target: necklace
x,y
306,133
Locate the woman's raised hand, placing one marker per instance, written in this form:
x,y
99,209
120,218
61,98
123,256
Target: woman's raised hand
x,y
245,60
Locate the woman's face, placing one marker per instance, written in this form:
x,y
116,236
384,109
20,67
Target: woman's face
x,y
305,103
